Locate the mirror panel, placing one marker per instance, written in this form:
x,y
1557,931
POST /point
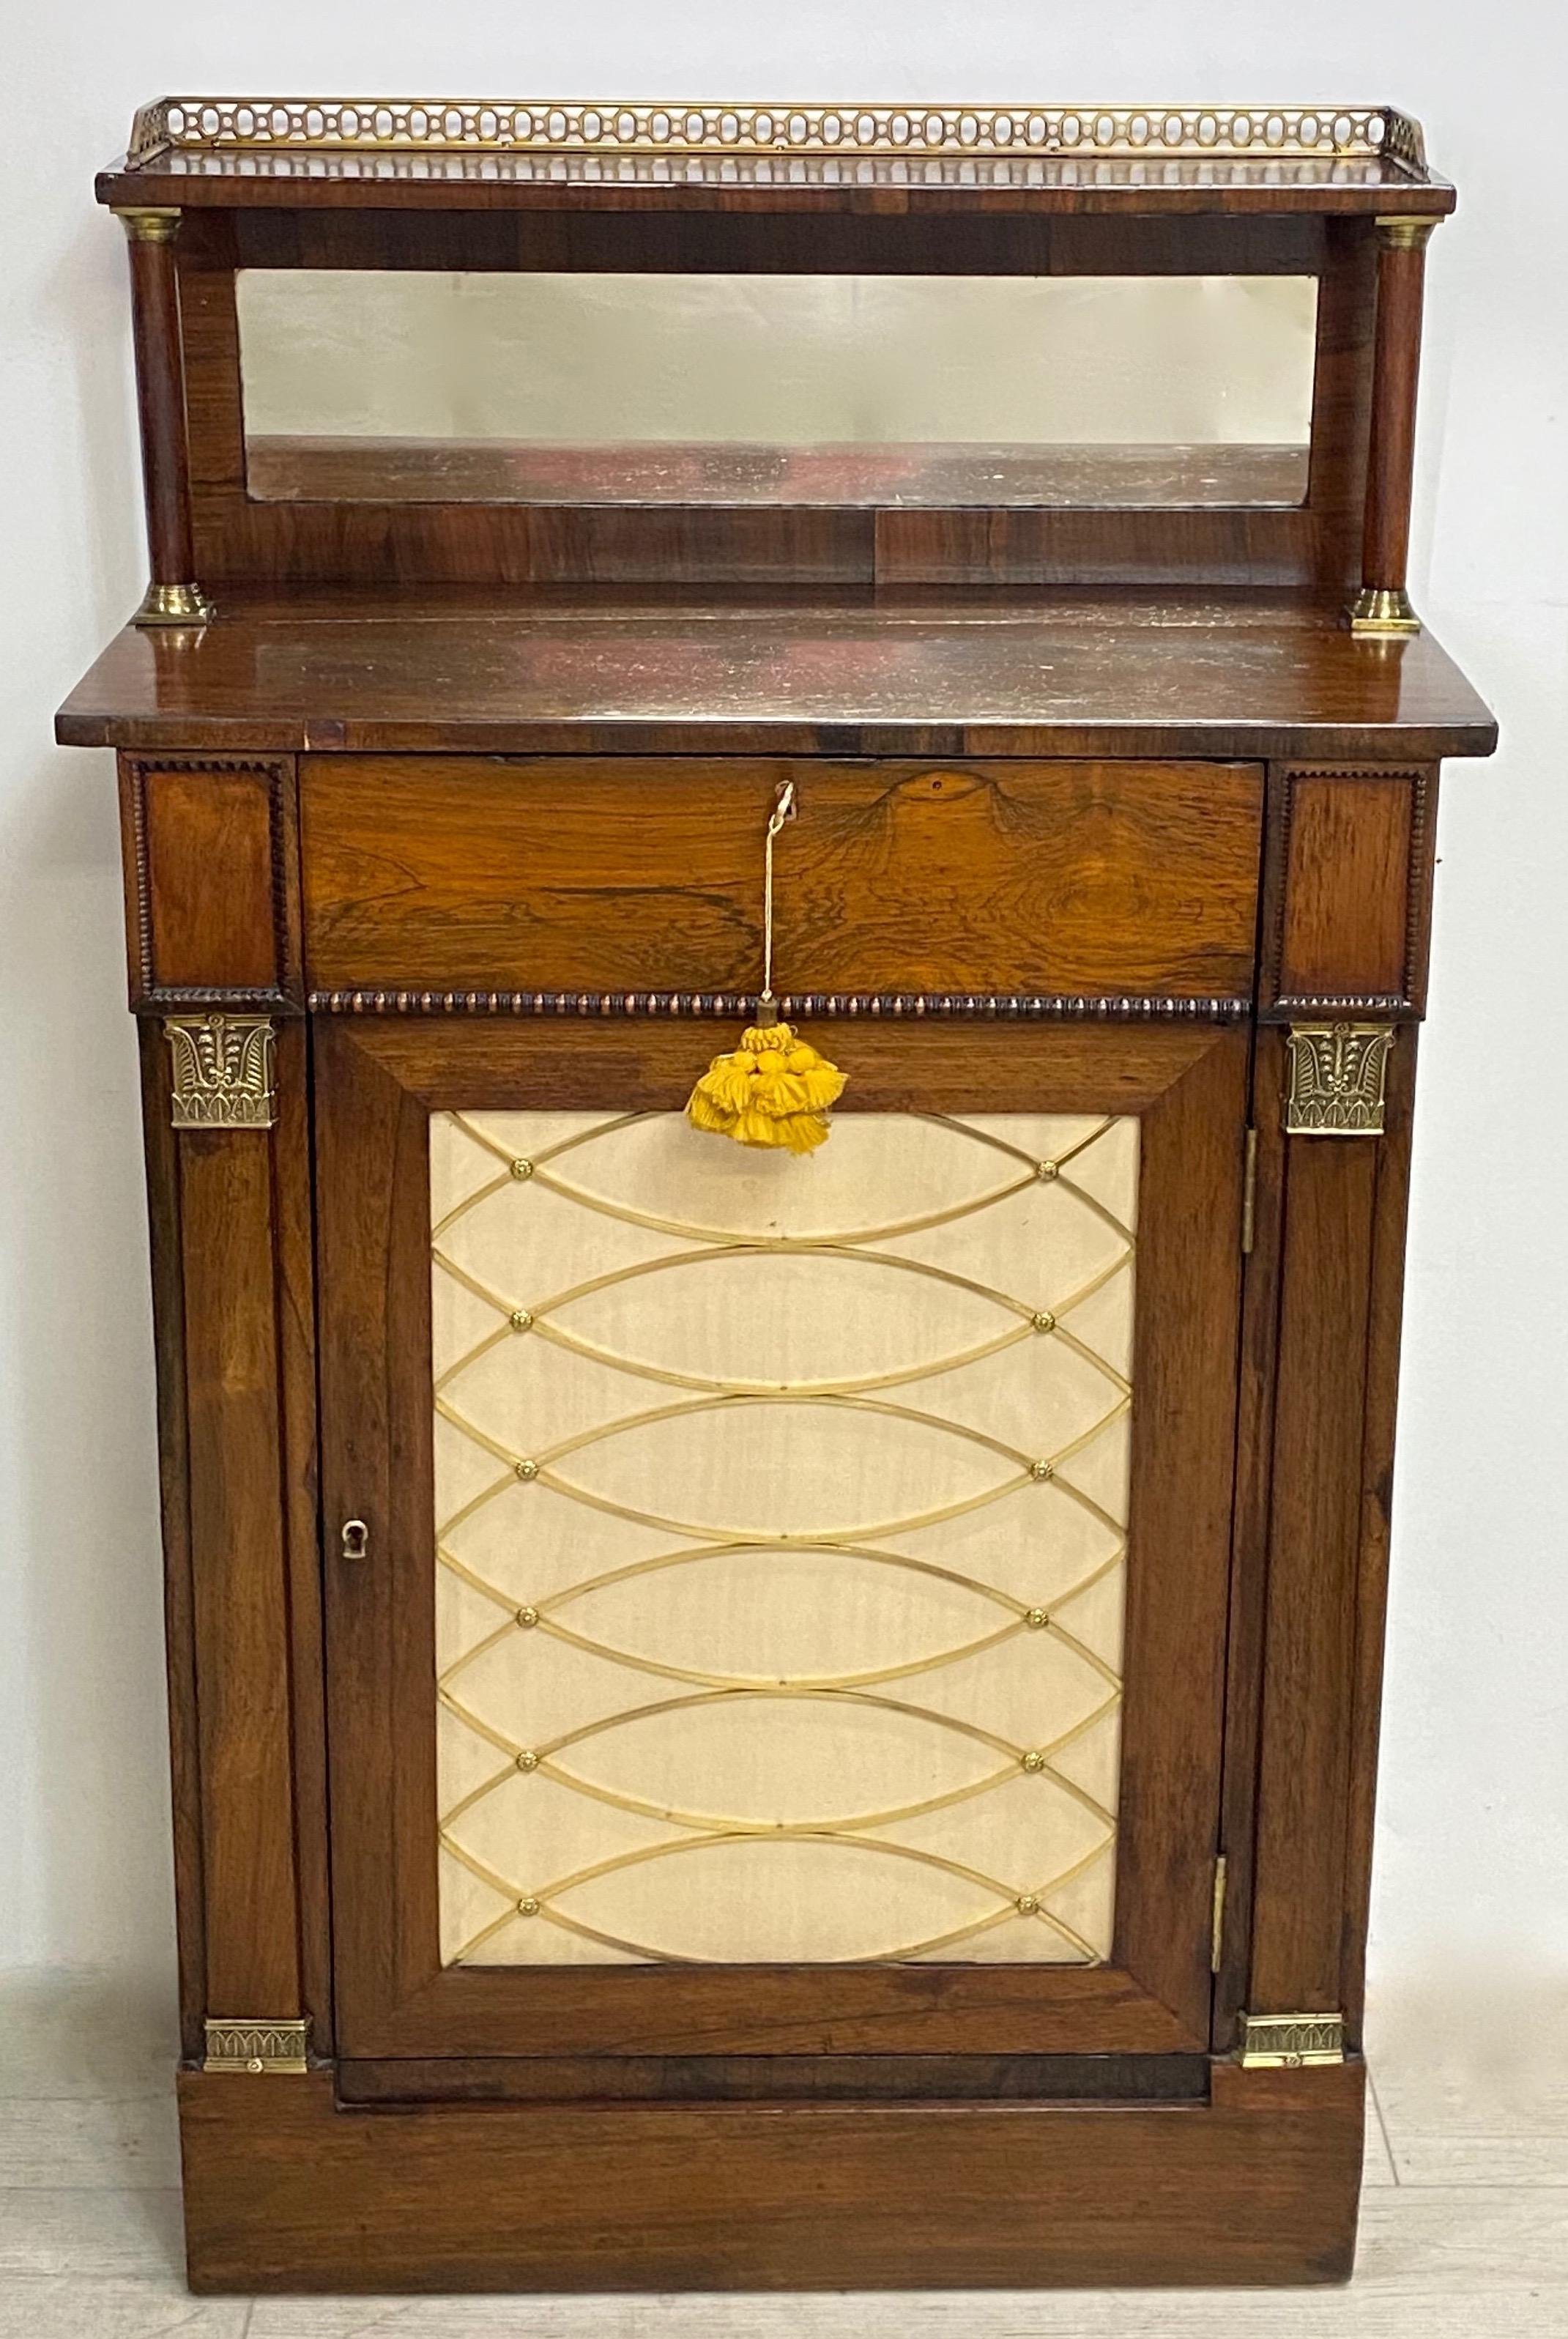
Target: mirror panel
x,y
617,388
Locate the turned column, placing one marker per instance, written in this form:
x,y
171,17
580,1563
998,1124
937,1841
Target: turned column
x,y
1382,605
172,597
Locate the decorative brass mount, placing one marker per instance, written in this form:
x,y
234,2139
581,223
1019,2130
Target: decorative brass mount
x,y
222,1071
853,127
1336,1078
173,604
1289,2042
243,2044
149,223
1384,612
1405,234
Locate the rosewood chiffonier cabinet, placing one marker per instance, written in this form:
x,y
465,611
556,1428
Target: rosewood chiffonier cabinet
x,y
774,1712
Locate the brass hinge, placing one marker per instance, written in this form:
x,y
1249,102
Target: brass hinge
x,y
1217,1918
1250,1192
1286,2042
245,2044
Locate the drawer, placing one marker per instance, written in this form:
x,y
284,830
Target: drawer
x,y
470,873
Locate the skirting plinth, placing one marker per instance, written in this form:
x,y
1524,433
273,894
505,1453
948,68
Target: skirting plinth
x,y
285,2191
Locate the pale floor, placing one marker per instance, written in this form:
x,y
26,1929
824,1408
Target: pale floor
x,y
1465,2222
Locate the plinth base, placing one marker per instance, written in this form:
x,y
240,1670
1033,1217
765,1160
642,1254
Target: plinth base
x,y
285,2191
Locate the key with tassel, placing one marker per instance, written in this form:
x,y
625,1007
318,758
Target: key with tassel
x,y
774,1089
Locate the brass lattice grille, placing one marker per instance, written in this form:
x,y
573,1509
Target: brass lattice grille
x,y
841,1606
616,127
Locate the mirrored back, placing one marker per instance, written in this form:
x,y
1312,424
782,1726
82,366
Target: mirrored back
x,y
611,387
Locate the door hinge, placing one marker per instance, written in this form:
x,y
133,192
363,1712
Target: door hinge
x,y
1249,1192
1217,1918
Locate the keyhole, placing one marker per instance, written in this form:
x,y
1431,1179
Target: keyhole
x,y
356,1538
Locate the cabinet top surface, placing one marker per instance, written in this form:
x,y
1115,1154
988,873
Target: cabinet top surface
x,y
489,153
925,674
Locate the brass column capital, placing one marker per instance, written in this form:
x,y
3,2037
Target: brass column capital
x,y
221,1071
1336,1078
148,224
1399,232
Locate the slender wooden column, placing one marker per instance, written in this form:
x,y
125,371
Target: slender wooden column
x,y
234,1152
1333,1237
173,598
1304,1760
1382,605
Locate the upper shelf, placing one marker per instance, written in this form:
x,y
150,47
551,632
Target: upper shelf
x,y
534,673
441,153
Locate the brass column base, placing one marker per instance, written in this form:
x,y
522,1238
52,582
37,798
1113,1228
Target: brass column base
x,y
173,604
243,2044
1290,2042
1384,610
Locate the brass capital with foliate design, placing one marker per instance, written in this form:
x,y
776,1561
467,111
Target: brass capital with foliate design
x,y
222,1071
1338,1072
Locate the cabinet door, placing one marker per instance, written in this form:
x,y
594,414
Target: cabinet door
x,y
792,1606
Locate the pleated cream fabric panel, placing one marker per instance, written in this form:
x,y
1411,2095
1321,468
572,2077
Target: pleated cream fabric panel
x,y
781,1520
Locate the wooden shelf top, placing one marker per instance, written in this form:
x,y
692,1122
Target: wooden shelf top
x,y
995,673
496,152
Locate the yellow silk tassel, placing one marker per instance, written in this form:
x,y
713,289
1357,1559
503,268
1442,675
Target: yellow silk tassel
x,y
772,1089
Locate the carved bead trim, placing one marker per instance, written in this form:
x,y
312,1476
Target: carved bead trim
x,y
1275,2042
733,1005
1345,1003
1336,1078
1418,879
245,2044
222,1071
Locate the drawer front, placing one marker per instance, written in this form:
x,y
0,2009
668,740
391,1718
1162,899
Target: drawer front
x,y
558,873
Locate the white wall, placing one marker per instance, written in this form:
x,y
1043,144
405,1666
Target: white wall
x,y
1474,1849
